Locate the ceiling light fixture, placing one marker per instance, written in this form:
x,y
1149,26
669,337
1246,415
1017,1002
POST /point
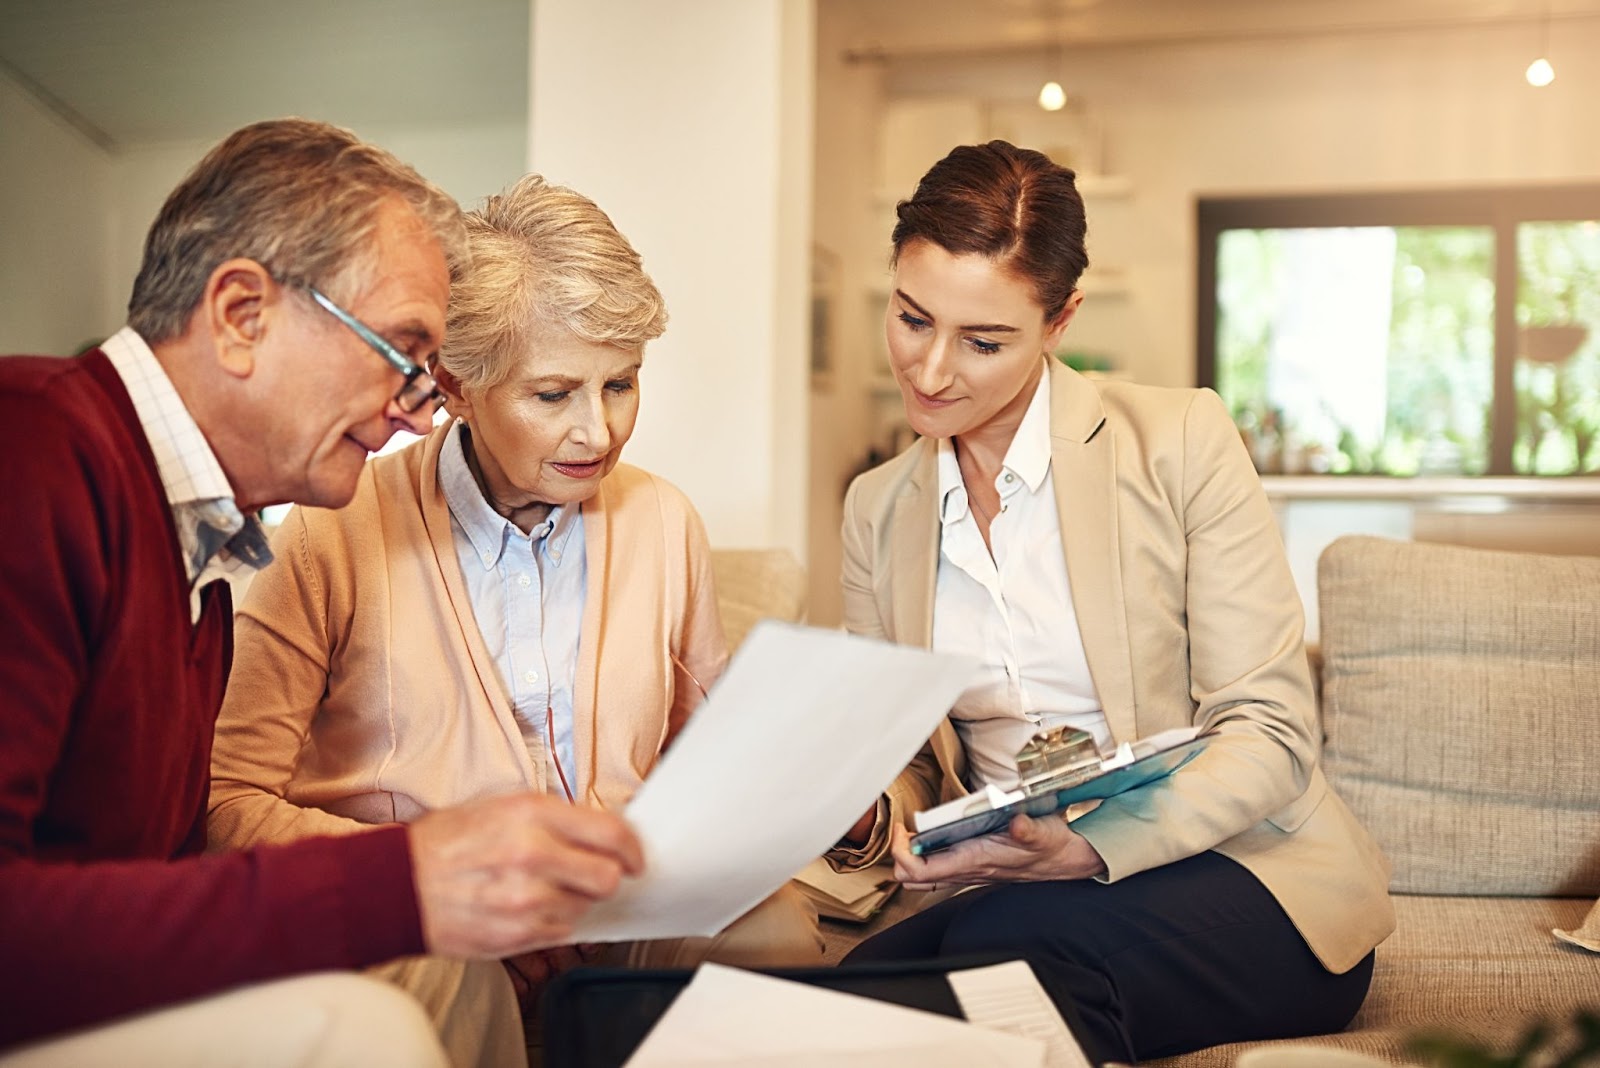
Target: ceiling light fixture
x,y
1540,73
1052,97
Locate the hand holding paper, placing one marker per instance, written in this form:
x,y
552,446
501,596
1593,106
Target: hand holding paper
x,y
797,738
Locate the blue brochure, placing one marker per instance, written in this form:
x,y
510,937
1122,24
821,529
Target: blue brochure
x,y
1108,784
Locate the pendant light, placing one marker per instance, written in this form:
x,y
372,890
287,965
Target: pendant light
x,y
1052,97
1540,73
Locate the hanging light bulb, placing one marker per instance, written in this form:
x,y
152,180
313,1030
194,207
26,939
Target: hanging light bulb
x,y
1053,98
1540,73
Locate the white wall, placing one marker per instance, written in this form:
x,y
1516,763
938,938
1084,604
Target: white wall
x,y
74,215
1389,110
142,178
55,187
853,254
689,123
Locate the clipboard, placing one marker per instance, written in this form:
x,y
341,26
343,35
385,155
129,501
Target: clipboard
x,y
1108,784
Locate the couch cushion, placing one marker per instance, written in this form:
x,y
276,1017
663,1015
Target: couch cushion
x,y
1481,969
1461,706
757,584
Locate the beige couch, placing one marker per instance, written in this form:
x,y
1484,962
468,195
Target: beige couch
x,y
1461,713
1461,710
757,584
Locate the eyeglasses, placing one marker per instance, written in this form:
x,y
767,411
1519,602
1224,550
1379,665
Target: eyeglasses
x,y
419,389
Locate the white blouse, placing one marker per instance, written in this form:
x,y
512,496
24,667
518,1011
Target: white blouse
x,y
1013,611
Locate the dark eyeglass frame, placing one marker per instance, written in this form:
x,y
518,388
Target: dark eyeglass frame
x,y
419,389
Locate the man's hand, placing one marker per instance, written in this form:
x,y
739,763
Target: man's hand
x,y
1029,850
502,876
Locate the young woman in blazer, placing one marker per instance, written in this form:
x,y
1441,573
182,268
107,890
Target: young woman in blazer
x,y
1105,550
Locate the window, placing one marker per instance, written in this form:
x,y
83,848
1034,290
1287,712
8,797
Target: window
x,y
1452,333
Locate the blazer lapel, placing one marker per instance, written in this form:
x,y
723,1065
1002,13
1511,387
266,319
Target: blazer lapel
x,y
914,549
1083,464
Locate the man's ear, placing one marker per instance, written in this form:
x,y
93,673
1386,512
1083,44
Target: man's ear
x,y
1058,326
455,397
238,305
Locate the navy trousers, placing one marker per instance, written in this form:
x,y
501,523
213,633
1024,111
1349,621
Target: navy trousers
x,y
1174,959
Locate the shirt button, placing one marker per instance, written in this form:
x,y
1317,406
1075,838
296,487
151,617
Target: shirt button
x,y
555,554
532,676
1010,478
488,558
524,581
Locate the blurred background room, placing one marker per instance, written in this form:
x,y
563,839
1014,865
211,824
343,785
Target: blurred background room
x,y
1373,225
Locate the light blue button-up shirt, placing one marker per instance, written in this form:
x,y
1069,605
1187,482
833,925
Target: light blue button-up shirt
x,y
527,593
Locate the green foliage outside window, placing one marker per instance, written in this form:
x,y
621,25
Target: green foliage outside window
x,y
1441,351
1437,367
1558,372
1435,378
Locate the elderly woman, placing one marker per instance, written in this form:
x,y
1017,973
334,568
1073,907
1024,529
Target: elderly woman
x,y
502,606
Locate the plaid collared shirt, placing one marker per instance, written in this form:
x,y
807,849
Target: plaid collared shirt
x,y
218,541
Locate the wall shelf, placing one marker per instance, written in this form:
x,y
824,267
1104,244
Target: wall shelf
x,y
1104,186
1100,281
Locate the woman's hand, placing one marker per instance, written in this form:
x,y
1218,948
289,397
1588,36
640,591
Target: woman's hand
x,y
1029,850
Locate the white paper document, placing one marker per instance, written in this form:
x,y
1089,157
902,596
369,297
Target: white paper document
x,y
1007,997
727,1016
796,740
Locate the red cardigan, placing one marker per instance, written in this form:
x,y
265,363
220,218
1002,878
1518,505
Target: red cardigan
x,y
108,695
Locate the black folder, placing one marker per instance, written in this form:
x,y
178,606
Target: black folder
x,y
597,1017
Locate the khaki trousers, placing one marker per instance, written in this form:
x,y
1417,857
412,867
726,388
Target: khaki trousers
x,y
471,1004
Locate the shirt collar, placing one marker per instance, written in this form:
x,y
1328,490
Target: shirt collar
x,y
207,519
1027,457
953,503
188,467
485,528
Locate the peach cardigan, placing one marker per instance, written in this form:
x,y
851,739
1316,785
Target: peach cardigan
x,y
363,693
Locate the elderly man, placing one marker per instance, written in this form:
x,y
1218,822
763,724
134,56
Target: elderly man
x,y
293,289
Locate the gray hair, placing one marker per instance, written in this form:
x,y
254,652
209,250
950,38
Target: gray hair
x,y
301,198
544,256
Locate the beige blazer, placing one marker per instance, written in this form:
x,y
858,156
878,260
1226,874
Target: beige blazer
x,y
362,691
1189,616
